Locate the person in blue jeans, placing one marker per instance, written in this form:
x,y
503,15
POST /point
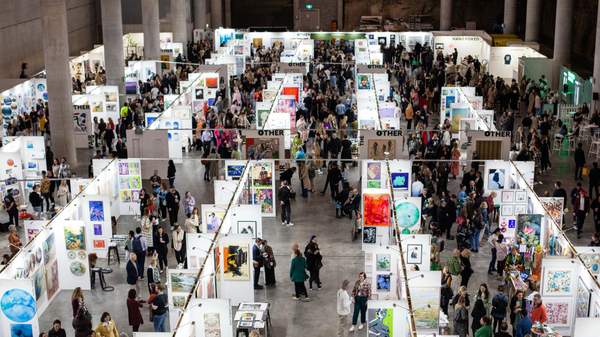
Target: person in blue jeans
x,y
476,227
159,310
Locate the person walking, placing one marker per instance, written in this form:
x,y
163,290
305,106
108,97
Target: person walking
x,y
361,294
77,300
173,198
106,327
594,178
579,158
159,309
10,206
343,308
82,323
162,248
298,274
171,173
133,310
446,293
581,209
492,239
139,246
270,263
501,253
178,242
467,270
153,272
257,262
478,313
461,318
499,304
314,262
286,208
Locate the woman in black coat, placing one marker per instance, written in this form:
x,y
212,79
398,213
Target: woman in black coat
x,y
162,247
313,261
171,173
477,313
82,323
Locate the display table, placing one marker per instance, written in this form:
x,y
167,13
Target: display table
x,y
544,332
252,316
515,283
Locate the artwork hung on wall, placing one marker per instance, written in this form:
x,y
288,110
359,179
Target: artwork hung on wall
x,y
374,175
264,198
408,216
426,306
212,324
520,209
363,82
369,235
495,179
508,196
21,330
213,220
383,262
400,181
591,261
77,268
247,227
262,175
235,262
74,238
262,148
182,282
39,283
520,196
97,229
557,282
558,311
582,300
554,207
415,253
507,210
51,279
383,282
48,249
529,228
376,149
380,322
18,305
376,210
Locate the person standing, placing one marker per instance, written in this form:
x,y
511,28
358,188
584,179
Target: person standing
x,y
594,177
37,203
461,318
314,261
106,327
162,248
499,304
139,246
298,273
501,252
492,239
581,209
361,293
270,263
132,270
478,312
189,203
257,262
467,270
133,310
485,330
155,182
10,206
538,312
524,327
172,200
286,208
179,244
171,173
82,323
579,157
343,308
159,309
14,242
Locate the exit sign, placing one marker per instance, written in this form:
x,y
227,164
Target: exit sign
x,y
308,6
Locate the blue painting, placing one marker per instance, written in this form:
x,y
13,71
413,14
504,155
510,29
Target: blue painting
x,y
18,305
235,171
96,211
400,180
383,282
97,229
21,330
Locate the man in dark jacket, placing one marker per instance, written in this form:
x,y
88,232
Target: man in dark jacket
x,y
257,261
284,200
594,180
579,161
560,192
334,176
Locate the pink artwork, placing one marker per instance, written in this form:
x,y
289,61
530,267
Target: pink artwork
x,y
558,312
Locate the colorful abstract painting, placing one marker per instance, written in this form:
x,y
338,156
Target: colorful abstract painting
x,y
426,306
400,181
39,283
408,215
262,175
18,305
380,322
369,235
21,330
530,228
592,262
383,262
557,311
554,207
376,209
235,262
264,198
383,282
582,300
74,238
557,282
96,208
374,175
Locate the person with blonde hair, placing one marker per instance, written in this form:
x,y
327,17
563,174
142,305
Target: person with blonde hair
x,y
343,308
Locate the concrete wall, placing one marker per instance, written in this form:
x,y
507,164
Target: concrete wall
x,y
21,33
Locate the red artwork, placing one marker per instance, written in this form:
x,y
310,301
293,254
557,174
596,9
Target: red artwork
x,y
376,209
99,244
291,91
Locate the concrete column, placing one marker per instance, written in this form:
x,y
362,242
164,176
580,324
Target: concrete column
x,y
532,24
228,13
445,14
596,79
151,28
216,13
510,16
55,38
112,34
562,32
178,22
340,15
200,14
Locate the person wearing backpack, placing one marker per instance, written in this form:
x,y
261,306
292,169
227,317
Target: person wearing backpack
x,y
454,265
499,304
139,247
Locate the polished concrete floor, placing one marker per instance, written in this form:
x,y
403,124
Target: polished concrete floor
x,y
343,259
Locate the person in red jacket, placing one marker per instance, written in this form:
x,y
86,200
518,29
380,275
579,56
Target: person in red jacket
x,y
538,313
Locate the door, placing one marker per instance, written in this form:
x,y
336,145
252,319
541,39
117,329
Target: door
x,y
309,20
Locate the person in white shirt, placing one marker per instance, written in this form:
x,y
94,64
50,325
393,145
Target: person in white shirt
x,y
343,308
417,188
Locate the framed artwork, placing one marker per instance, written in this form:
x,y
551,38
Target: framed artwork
x,y
408,215
426,306
507,210
378,148
383,282
400,181
557,282
383,262
530,228
554,207
18,305
508,196
495,179
247,227
97,229
374,175
414,254
182,282
582,300
591,261
381,322
376,210
558,311
21,330
212,324
595,311
235,262
520,209
520,196
369,235
74,238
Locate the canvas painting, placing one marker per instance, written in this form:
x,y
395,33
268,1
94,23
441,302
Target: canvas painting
x,y
18,305
247,227
48,248
182,282
495,179
383,282
557,282
262,175
376,209
582,300
99,244
363,82
235,171
408,216
264,198
554,207
378,148
74,238
400,181
179,301
426,306
235,262
51,279
97,229
374,175
383,262
557,311
369,235
414,254
262,148
530,227
380,322
213,220
212,325
21,330
39,283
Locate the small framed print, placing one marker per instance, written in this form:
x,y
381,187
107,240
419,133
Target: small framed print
x,y
520,196
414,254
508,196
520,209
507,210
